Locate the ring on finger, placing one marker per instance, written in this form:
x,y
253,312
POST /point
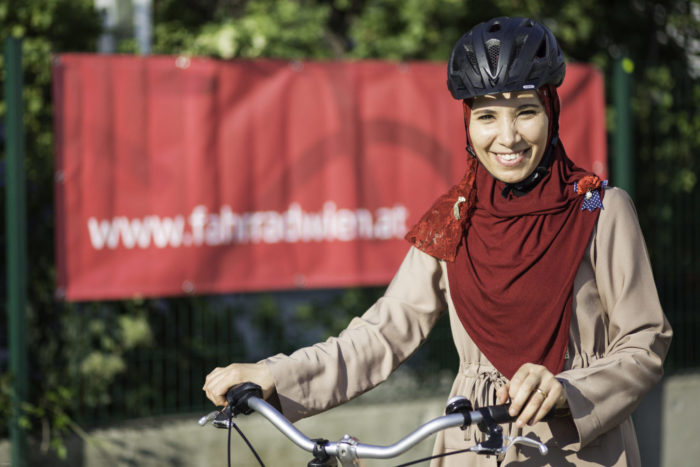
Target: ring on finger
x,y
541,392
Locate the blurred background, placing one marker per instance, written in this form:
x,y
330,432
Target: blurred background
x,y
99,364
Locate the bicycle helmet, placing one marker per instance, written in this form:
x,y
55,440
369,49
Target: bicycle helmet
x,y
504,55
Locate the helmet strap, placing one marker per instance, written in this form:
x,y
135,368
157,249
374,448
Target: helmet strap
x,y
525,186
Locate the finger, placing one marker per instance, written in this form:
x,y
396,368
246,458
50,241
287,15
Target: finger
x,y
220,389
533,406
517,380
214,375
549,391
209,383
519,377
539,399
208,391
217,383
211,376
524,391
553,395
219,400
502,394
216,394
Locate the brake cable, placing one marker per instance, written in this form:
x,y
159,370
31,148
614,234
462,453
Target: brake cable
x,y
435,456
250,446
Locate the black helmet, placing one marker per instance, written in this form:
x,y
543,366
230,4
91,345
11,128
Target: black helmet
x,y
504,55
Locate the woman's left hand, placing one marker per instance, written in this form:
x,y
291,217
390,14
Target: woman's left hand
x,y
533,392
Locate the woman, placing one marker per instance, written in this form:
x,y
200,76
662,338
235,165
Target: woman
x,y
542,269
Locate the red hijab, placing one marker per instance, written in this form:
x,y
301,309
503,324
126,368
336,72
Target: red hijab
x,y
512,259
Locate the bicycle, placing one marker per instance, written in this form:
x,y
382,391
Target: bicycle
x,y
245,398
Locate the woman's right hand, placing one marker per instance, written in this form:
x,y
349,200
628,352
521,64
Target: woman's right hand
x,y
218,382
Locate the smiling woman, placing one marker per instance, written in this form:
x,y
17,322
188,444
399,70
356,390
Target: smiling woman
x,y
541,268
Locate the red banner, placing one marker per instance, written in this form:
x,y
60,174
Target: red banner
x,y
179,175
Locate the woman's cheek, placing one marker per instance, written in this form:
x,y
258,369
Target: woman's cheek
x,y
536,128
482,134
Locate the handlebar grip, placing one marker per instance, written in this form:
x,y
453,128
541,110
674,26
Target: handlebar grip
x,y
237,397
499,413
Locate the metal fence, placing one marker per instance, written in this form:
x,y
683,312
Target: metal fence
x,y
190,337
667,144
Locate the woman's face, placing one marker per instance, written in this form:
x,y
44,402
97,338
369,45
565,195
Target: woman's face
x,y
509,133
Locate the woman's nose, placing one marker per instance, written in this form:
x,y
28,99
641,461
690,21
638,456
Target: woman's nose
x,y
508,132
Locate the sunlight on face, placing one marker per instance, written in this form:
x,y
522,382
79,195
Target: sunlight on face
x,y
509,133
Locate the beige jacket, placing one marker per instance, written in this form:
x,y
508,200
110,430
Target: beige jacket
x,y
618,340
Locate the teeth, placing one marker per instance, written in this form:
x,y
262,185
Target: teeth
x,y
510,157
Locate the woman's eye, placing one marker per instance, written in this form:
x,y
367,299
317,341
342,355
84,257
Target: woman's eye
x,y
486,117
527,112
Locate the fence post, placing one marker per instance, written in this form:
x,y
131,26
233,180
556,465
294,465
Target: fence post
x,y
16,228
623,147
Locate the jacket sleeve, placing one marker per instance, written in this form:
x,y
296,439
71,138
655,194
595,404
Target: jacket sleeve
x,y
316,378
603,394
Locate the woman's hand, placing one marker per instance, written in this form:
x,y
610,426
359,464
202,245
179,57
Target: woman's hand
x,y
533,392
221,379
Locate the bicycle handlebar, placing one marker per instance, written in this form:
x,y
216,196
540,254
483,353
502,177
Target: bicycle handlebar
x,y
247,397
367,451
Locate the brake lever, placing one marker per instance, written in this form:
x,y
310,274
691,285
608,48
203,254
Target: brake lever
x,y
203,421
527,442
485,449
218,418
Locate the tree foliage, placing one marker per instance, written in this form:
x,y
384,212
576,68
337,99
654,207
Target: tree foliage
x,y
89,343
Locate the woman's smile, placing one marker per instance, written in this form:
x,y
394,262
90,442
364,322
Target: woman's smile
x,y
511,159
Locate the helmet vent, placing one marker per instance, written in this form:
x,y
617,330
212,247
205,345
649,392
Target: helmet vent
x,y
471,57
495,27
542,49
493,48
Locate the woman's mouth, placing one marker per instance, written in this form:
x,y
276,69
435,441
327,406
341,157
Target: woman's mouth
x,y
511,159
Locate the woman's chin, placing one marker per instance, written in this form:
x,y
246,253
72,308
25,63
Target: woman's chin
x,y
509,176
